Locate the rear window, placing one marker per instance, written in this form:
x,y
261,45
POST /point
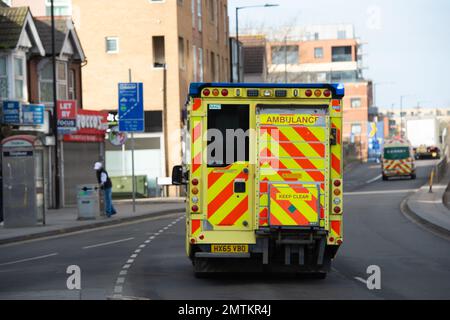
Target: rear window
x,y
396,153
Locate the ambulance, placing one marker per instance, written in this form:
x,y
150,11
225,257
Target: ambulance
x,y
264,177
398,159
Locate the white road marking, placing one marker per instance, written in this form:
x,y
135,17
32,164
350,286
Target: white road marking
x,y
28,259
107,243
121,279
387,192
361,280
374,179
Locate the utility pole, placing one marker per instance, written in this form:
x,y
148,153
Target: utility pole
x,y
285,60
55,114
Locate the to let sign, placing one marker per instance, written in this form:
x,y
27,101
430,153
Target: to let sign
x,y
33,114
131,107
67,115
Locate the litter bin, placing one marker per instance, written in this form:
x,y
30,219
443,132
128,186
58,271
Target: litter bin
x,y
88,200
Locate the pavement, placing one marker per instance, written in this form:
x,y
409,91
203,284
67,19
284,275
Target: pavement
x,y
65,220
429,209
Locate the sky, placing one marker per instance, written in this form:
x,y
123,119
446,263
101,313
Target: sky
x,y
406,42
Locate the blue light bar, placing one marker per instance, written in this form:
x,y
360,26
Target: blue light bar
x,y
337,89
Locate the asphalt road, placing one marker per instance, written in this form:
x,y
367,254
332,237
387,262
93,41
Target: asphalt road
x,y
146,260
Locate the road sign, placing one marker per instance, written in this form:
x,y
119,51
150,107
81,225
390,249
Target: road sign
x,y
131,107
11,112
67,116
33,114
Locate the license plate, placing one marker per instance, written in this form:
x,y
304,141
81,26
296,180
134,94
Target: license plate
x,y
229,248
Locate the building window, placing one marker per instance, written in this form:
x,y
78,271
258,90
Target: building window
x,y
61,7
356,129
46,82
200,62
61,75
194,17
285,55
19,78
343,76
112,44
72,84
159,52
3,78
340,54
212,6
355,103
181,53
199,14
180,2
8,2
318,53
194,55
213,66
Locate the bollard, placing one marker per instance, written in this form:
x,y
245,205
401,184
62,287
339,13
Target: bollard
x,y
431,181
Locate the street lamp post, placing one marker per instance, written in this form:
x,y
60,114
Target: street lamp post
x,y
237,33
56,167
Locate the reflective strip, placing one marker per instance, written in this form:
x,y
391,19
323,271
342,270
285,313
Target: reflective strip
x,y
197,104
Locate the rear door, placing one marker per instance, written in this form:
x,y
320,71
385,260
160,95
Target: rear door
x,y
292,170
228,169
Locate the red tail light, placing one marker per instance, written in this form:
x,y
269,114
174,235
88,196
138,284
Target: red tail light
x,y
225,92
327,93
195,182
194,208
308,93
337,210
206,92
337,183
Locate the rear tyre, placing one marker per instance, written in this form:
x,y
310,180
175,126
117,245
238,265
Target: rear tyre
x,y
385,178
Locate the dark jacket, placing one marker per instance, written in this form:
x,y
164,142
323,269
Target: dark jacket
x,y
108,183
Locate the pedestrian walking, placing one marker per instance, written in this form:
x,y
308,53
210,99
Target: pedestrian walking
x,y
106,185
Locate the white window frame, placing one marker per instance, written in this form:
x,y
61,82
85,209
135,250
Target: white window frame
x,y
6,76
200,62
194,17
41,66
194,51
116,39
199,15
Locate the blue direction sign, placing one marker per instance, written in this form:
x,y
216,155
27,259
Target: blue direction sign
x,y
11,112
131,107
33,114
